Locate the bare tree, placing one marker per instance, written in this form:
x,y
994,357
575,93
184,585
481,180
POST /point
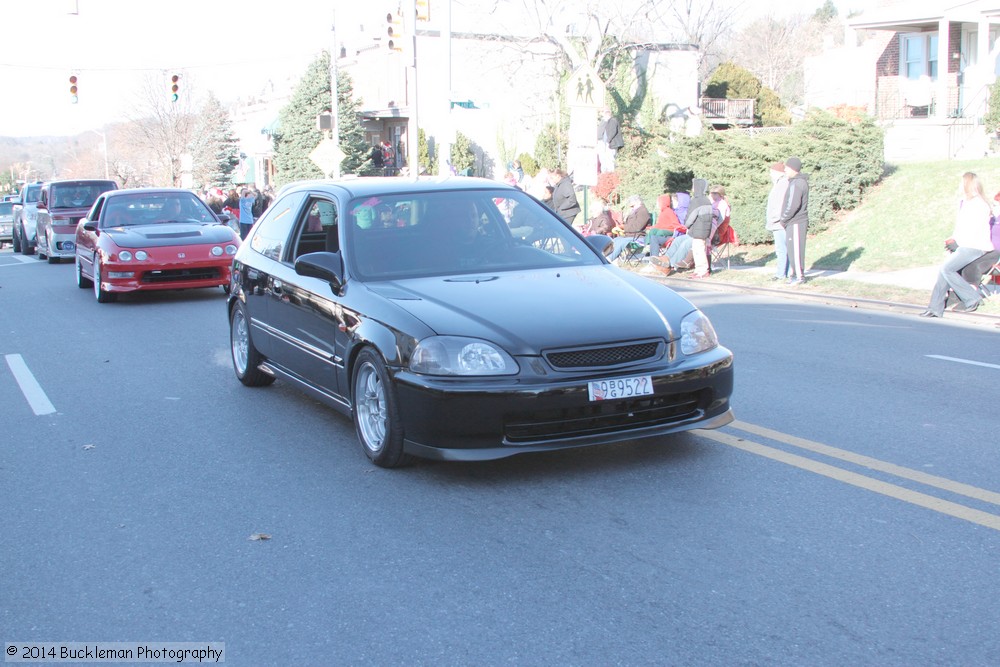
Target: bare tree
x,y
708,24
161,129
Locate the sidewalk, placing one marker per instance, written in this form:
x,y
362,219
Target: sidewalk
x,y
920,278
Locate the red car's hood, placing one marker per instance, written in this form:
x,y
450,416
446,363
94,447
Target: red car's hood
x,y
170,233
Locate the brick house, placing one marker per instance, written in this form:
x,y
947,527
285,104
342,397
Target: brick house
x,y
923,67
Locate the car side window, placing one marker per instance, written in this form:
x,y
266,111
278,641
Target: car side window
x,y
274,228
318,231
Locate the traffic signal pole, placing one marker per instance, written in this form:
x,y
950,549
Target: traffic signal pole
x,y
410,19
334,115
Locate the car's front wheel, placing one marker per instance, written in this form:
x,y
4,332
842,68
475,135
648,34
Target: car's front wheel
x,y
15,240
376,418
103,296
246,358
26,247
81,281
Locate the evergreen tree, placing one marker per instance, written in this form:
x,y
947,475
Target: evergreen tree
x,y
215,149
357,152
298,135
463,159
730,81
827,12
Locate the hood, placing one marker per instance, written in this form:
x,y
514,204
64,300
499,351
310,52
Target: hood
x,y
169,234
505,307
699,186
663,202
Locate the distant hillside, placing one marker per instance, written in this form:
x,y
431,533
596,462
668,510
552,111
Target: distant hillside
x,y
45,156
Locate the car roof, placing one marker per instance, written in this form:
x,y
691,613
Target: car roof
x,y
148,191
64,181
395,185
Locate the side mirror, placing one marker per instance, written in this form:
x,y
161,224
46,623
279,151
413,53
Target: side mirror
x,y
90,226
323,265
601,243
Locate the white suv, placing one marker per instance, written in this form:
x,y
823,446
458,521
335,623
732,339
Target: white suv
x,y
25,218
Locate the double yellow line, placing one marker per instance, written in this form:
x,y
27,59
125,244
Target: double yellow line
x,y
893,491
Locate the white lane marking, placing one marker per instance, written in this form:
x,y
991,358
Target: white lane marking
x,y
21,259
32,391
963,361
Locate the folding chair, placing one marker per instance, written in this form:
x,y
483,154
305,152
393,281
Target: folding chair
x,y
722,240
635,249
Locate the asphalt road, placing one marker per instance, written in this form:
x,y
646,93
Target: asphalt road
x,y
850,516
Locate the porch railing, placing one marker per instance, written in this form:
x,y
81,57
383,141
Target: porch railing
x,y
726,112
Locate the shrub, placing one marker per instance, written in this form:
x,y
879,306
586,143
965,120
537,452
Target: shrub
x,y
841,159
528,164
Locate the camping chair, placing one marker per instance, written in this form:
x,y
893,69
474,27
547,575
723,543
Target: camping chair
x,y
635,249
722,241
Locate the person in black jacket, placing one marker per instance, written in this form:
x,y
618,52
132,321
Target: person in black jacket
x,y
795,219
564,201
609,140
700,225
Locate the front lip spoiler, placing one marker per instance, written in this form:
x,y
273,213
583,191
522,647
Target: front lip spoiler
x,y
492,453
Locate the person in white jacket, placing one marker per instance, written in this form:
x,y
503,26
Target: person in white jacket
x,y
772,221
970,241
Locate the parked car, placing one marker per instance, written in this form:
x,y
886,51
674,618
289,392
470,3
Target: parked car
x,y
152,239
60,207
6,222
25,217
460,319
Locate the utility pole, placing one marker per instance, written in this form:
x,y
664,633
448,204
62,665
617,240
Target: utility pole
x,y
410,20
447,137
334,115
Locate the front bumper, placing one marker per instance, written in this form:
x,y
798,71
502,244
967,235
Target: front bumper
x,y
473,420
189,272
62,245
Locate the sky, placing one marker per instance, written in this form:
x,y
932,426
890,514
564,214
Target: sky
x,y
118,48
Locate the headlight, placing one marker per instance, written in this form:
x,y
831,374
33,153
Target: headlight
x,y
124,256
141,255
230,249
697,334
451,355
216,251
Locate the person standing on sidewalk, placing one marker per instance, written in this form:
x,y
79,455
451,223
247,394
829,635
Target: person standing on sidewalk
x,y
970,241
795,219
775,200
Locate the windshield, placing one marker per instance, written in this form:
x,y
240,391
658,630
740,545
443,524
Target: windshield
x,y
465,231
158,208
32,193
76,195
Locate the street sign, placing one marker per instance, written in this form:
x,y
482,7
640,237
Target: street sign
x,y
327,156
585,88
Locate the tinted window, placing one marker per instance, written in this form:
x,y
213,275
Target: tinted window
x,y
274,228
436,233
32,193
76,195
6,208
318,231
155,208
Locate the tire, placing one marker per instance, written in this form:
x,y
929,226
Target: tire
x,y
26,248
376,418
103,296
81,282
246,358
15,240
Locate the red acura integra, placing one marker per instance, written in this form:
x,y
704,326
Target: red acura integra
x,y
152,239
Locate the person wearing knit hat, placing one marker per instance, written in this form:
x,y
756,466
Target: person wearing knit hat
x,y
772,215
795,219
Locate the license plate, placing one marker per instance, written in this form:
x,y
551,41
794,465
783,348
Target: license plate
x,y
605,390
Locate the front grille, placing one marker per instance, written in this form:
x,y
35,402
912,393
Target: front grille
x,y
180,275
603,356
602,417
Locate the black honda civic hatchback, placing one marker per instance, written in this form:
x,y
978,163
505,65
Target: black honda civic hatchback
x,y
460,319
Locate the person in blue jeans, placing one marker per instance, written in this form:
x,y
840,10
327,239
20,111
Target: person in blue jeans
x,y
246,211
775,200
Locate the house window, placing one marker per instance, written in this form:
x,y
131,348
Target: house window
x,y
919,55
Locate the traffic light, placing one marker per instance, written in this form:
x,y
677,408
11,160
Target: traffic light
x,y
395,31
72,89
423,10
174,87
